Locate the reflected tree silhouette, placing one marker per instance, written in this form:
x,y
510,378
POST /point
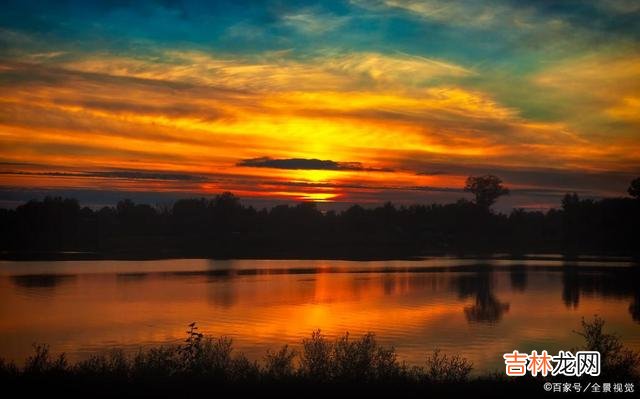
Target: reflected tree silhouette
x,y
41,280
131,277
621,283
487,308
41,285
570,286
519,278
634,309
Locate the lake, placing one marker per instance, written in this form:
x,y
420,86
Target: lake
x,y
473,307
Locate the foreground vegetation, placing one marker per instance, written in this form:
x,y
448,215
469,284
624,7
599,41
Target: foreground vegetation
x,y
207,365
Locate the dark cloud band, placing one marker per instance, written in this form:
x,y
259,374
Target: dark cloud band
x,y
306,164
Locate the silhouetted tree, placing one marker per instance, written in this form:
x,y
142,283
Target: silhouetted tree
x,y
487,307
634,188
486,189
136,218
634,309
190,216
221,226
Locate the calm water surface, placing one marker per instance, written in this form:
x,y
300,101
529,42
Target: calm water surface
x,y
478,308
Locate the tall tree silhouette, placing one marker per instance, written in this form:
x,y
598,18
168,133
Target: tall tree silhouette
x,y
634,188
486,189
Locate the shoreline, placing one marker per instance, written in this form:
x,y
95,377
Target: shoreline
x,y
203,364
148,256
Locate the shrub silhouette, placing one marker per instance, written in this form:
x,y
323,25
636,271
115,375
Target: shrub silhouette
x,y
362,359
348,360
280,365
207,364
315,359
41,363
447,368
8,369
616,360
111,364
160,362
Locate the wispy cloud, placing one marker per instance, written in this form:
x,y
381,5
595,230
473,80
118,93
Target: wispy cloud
x,y
326,71
310,21
460,13
114,174
599,94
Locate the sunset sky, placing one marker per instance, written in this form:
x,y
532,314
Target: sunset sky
x,y
336,101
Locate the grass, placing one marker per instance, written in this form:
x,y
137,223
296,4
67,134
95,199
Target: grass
x,y
203,365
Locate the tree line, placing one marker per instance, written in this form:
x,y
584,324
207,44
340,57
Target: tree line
x,y
222,226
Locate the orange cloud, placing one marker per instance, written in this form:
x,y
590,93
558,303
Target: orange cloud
x,y
191,112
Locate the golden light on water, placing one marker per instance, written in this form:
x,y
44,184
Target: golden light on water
x,y
144,303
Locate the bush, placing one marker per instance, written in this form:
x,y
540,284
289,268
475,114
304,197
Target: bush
x,y
445,368
8,369
208,365
348,360
40,363
160,362
315,359
112,364
616,360
363,359
279,365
